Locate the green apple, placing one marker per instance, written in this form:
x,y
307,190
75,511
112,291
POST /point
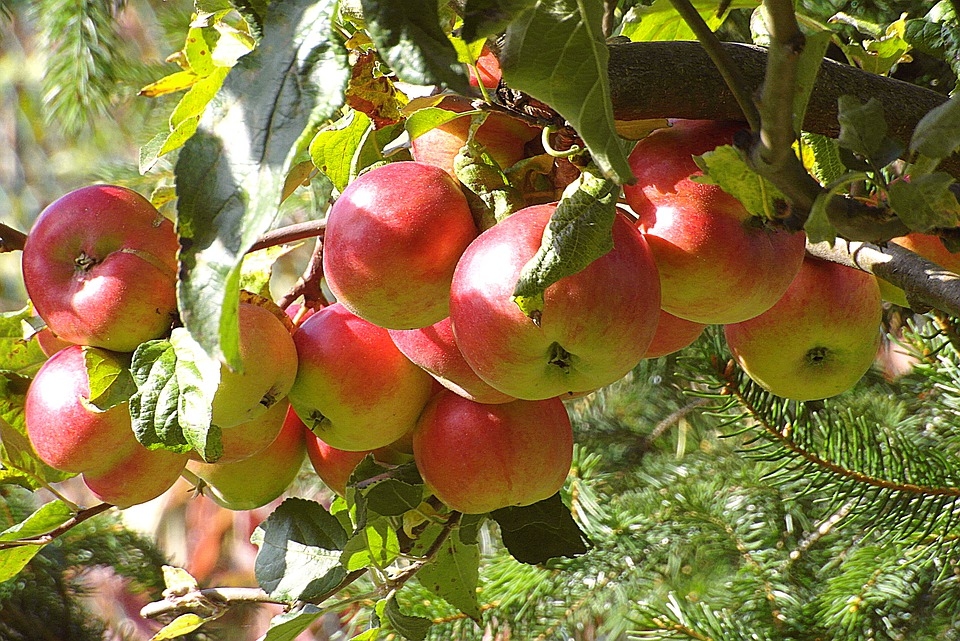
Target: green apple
x,y
100,266
477,458
595,326
244,440
354,389
819,339
392,240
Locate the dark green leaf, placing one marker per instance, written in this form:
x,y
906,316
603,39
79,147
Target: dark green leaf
x,y
288,626
412,628
453,574
18,354
862,125
300,546
539,532
937,135
230,175
110,381
579,232
925,201
391,497
484,18
808,67
409,38
375,545
556,53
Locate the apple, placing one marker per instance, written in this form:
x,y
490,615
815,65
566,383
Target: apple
x,y
49,342
928,246
141,476
100,266
269,367
434,349
66,430
477,458
718,264
244,440
259,479
504,137
392,241
335,466
595,325
673,334
354,388
488,70
819,339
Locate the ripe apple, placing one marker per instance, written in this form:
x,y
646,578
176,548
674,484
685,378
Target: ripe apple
x,y
595,325
244,440
717,263
334,466
434,348
819,339
477,458
392,241
258,479
504,137
66,430
269,361
100,266
49,342
928,246
139,477
354,388
673,334
488,67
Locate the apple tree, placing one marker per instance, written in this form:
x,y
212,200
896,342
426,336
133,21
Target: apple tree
x,y
622,319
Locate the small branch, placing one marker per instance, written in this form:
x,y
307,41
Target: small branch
x,y
924,282
779,85
609,17
70,523
11,239
397,581
728,70
209,602
671,420
308,285
290,234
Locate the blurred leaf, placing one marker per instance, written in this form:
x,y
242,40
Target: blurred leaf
x,y
178,580
660,21
579,232
300,546
537,533
925,201
725,166
182,625
48,517
454,573
409,38
556,53
289,625
484,18
110,380
230,174
18,355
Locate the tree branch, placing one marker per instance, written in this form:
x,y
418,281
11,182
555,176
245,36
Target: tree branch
x,y
70,523
290,234
11,239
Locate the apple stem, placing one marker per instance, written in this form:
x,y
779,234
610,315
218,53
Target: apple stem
x,y
559,357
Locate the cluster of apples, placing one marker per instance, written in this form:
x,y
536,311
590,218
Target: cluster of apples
x,y
100,267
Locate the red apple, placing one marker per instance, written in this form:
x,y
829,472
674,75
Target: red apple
x,y
49,342
141,476
488,67
819,339
434,348
269,361
717,263
392,241
672,335
100,266
477,458
504,138
66,430
258,479
354,389
334,467
595,325
246,439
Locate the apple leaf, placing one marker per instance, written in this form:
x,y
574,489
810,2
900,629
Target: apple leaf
x,y
808,67
182,625
413,628
375,545
579,232
483,18
660,21
821,155
863,131
257,268
925,201
423,120
16,452
374,94
19,354
46,518
939,38
937,135
110,380
393,497
230,174
333,149
556,52
724,166
454,573
300,546
539,532
290,625
409,38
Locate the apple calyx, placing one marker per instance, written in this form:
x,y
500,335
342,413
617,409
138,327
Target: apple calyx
x,y
559,356
817,355
85,262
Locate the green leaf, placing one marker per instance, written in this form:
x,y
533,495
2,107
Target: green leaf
x,y
230,174
454,573
257,269
808,67
423,120
822,157
409,38
178,580
410,627
818,226
483,18
579,232
556,53
660,21
110,380
925,201
375,545
371,634
937,135
300,546
182,625
289,626
863,130
48,517
333,149
392,497
937,38
725,166
18,354
197,51
539,532
12,560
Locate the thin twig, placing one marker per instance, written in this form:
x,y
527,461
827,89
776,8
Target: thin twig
x,y
397,581
308,285
64,527
290,234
